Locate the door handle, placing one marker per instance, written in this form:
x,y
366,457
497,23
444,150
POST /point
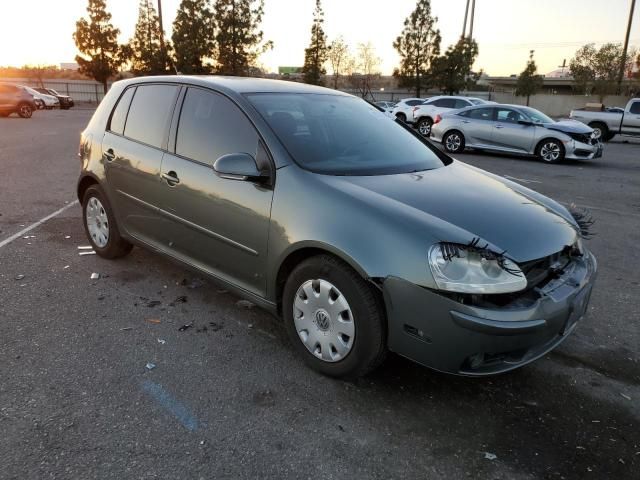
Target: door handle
x,y
466,121
109,155
171,178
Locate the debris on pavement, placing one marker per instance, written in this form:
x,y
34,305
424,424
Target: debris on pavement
x,y
155,321
193,284
216,326
95,276
85,247
244,304
180,299
153,303
65,267
67,237
87,253
185,327
161,341
18,277
150,366
490,456
125,329
626,397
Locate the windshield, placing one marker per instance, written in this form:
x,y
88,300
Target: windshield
x,y
340,135
536,115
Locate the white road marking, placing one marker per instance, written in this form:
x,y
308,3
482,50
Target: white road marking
x,y
16,236
523,180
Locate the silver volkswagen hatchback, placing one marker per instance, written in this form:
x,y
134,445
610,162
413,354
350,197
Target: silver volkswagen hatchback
x,y
349,226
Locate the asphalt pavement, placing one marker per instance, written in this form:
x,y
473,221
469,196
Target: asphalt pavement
x,y
99,380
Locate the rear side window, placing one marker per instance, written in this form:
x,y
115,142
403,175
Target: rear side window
x,y
119,115
149,114
211,126
445,103
481,113
413,103
635,107
461,103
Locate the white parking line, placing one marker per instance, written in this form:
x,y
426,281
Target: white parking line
x,y
37,224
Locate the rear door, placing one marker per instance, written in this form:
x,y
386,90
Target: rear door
x,y
631,119
218,225
8,96
132,150
477,126
509,134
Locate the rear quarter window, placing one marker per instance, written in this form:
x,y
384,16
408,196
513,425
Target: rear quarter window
x,y
119,115
149,114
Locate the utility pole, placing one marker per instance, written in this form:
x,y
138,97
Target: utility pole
x,y
466,14
163,51
623,60
473,14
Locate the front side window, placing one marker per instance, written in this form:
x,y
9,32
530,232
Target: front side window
x,y
211,126
342,135
536,115
507,115
481,113
149,113
119,115
459,103
413,103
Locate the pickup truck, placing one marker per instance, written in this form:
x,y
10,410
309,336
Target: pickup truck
x,y
607,123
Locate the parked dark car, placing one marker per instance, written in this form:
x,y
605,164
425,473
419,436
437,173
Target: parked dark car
x,y
348,225
14,99
66,102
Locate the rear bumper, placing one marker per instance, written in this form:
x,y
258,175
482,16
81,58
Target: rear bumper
x,y
446,335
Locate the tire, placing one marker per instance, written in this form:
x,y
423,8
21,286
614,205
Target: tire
x,y
601,131
454,142
100,225
359,334
402,117
550,151
424,126
25,110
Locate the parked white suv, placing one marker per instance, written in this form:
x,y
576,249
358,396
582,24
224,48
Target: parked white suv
x,y
425,114
405,107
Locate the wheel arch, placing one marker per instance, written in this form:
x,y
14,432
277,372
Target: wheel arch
x,y
546,139
84,183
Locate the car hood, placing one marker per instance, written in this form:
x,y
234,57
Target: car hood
x,y
457,203
569,126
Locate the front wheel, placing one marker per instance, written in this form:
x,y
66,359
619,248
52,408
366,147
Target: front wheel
x,y
550,151
424,126
334,318
25,110
454,142
100,225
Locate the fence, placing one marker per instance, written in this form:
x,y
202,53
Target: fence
x,y
80,90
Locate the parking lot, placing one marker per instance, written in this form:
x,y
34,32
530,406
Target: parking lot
x,y
99,380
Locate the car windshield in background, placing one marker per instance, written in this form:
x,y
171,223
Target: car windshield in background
x,y
476,101
536,115
340,135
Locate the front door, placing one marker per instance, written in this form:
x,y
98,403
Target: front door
x,y
509,134
631,120
477,126
132,150
219,225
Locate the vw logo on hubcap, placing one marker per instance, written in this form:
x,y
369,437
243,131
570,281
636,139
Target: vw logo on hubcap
x,y
323,321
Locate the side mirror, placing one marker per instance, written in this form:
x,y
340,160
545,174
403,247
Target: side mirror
x,y
526,123
238,166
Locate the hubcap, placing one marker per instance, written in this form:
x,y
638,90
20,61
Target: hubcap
x,y
453,142
323,320
25,110
97,222
424,128
550,151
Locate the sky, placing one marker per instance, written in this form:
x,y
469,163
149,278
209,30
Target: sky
x,y
505,29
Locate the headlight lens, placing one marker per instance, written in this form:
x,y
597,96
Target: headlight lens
x,y
471,272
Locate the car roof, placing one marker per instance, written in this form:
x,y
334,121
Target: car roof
x,y
238,85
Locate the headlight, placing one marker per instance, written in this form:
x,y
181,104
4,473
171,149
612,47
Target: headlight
x,y
472,272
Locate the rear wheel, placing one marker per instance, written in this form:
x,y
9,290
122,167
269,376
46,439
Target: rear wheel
x,y
550,151
454,142
402,117
424,126
600,131
100,225
25,110
334,318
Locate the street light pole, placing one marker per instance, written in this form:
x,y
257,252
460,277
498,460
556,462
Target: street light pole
x,y
473,14
623,60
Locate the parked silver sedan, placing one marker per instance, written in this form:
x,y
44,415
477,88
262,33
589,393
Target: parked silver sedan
x,y
515,129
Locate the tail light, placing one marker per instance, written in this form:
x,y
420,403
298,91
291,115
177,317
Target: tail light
x,y
414,109
437,119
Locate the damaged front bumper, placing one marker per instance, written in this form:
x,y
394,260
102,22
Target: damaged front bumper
x,y
442,333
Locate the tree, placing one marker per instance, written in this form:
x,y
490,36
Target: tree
x,y
365,70
146,54
529,82
451,72
193,37
316,55
238,37
339,57
97,41
595,70
418,45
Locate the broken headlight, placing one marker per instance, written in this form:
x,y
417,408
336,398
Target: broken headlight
x,y
470,270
